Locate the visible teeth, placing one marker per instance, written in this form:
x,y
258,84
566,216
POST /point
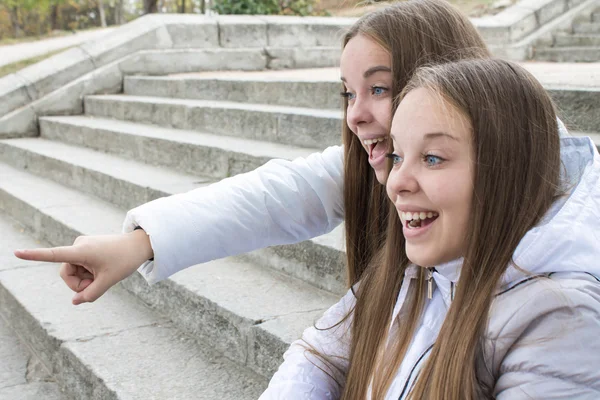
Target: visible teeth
x,y
417,216
373,141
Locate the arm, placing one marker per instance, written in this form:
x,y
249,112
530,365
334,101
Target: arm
x,y
281,202
554,347
304,376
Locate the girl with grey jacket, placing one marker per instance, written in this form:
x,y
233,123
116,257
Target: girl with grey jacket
x,y
488,285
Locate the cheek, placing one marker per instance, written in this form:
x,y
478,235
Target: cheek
x,y
453,197
383,113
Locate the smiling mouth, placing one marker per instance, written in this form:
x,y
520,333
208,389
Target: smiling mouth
x,y
375,147
414,220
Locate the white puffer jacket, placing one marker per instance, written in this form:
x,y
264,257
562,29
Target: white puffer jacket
x,y
543,336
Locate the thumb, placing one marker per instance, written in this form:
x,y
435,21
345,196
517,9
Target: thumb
x,y
93,291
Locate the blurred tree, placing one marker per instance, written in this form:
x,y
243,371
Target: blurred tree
x,y
150,6
102,13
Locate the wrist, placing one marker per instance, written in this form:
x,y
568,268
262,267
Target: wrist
x,y
143,244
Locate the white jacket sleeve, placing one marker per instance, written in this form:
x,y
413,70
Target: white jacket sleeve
x,y
553,347
281,202
305,376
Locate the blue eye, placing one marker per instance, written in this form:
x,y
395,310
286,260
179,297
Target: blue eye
x,y
378,90
432,161
348,95
396,159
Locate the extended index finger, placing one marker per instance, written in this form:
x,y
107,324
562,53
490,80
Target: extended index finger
x,y
64,254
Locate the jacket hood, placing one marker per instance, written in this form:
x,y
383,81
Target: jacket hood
x,y
568,237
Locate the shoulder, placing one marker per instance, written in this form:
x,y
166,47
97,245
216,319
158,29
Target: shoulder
x,y
546,328
517,305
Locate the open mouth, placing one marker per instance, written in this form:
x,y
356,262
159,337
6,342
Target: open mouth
x,y
377,148
415,220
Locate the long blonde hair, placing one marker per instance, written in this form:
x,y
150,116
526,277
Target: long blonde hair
x,y
517,164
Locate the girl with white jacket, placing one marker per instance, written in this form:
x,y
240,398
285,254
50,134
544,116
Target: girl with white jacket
x,y
287,202
488,285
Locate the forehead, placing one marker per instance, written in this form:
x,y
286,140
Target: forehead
x,y
422,111
362,53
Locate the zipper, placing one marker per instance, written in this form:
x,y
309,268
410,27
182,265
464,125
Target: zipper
x,y
430,272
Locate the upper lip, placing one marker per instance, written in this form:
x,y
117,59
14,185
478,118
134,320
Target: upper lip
x,y
371,137
409,208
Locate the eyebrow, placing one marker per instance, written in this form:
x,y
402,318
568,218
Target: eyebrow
x,y
435,135
431,136
372,71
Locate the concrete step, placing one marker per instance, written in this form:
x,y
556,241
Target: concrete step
x,y
177,149
576,40
310,88
567,54
127,184
22,375
586,27
579,108
121,182
248,313
304,127
116,348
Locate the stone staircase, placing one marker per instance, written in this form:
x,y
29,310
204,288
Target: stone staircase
x,y
215,331
579,41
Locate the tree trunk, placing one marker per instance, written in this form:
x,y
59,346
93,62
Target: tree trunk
x,y
102,13
119,12
150,6
182,9
14,19
54,17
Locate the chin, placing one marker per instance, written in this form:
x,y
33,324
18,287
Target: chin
x,y
381,176
422,257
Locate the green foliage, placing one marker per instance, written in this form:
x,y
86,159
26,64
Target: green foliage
x,y
265,7
261,7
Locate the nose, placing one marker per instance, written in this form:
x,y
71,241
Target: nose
x,y
402,181
359,112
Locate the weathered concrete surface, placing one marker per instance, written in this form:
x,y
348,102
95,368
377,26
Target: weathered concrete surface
x,y
13,237
309,57
575,40
225,321
160,62
237,87
318,261
114,348
579,108
242,32
306,31
188,33
568,54
124,183
228,299
524,48
22,51
61,214
21,374
287,125
176,149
